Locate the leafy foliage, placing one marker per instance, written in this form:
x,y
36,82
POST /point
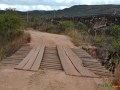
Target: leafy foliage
x,y
11,34
99,40
34,22
116,31
82,28
66,25
9,22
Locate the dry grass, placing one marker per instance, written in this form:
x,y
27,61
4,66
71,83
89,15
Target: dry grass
x,y
77,38
9,48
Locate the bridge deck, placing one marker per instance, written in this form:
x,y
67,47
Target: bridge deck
x,y
32,60
76,62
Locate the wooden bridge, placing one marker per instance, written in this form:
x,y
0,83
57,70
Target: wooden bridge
x,y
75,62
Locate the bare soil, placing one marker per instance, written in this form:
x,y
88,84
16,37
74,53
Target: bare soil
x,y
11,79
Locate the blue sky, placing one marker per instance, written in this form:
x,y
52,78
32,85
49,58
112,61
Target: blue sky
x,y
24,5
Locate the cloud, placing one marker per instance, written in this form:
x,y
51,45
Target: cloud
x,y
31,7
3,6
24,5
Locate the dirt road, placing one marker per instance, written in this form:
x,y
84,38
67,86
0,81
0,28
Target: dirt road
x,y
11,79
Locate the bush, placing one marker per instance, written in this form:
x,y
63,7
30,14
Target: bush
x,y
11,34
35,22
99,40
116,31
81,26
66,25
9,22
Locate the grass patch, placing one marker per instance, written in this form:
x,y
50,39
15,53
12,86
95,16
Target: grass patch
x,y
9,47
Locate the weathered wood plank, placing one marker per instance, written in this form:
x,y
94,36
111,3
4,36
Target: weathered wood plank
x,y
50,59
51,68
25,60
51,56
100,67
38,60
99,70
77,62
103,74
53,64
66,63
32,59
50,62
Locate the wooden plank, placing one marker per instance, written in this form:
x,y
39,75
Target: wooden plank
x,y
66,63
77,62
103,74
43,66
38,60
50,62
49,59
32,59
51,56
84,61
51,65
10,61
94,65
51,68
26,59
50,51
99,70
20,58
100,67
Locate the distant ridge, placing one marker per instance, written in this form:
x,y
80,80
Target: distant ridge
x,y
77,10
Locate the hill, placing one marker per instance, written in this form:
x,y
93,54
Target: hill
x,y
77,10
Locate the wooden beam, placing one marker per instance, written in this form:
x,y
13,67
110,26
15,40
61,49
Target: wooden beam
x,y
26,59
77,62
32,59
66,63
38,60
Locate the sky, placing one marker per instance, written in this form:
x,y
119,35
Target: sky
x,y
25,5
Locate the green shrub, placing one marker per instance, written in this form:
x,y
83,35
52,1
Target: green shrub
x,y
116,31
66,25
11,34
9,22
52,29
99,40
34,22
82,28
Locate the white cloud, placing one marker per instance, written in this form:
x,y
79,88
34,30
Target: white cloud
x,y
24,5
31,7
3,6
